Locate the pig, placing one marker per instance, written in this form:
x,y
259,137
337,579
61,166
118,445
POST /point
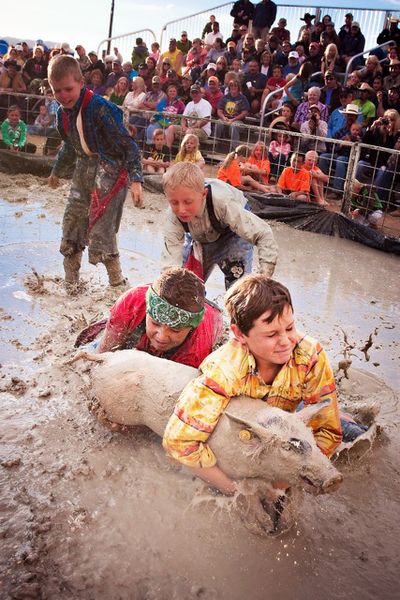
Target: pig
x,y
255,444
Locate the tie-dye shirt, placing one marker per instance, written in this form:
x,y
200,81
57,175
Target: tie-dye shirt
x,y
231,371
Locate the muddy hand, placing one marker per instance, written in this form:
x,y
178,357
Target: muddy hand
x,y
53,181
136,191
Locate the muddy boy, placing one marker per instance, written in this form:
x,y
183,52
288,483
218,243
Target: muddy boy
x,y
107,160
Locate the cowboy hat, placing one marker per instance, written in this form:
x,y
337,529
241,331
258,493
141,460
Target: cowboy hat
x,y
307,16
351,109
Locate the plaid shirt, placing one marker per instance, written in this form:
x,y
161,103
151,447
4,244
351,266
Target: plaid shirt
x,y
105,136
231,371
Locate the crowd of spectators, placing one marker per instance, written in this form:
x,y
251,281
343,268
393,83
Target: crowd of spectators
x,y
302,73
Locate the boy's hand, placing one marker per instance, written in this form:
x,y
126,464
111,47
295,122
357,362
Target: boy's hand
x,y
136,191
53,181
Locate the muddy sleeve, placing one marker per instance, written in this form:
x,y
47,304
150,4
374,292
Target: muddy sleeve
x,y
319,387
195,417
252,229
174,236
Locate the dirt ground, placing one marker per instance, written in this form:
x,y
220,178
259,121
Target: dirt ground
x,y
90,514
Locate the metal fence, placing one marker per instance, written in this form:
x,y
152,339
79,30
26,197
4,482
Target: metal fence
x,y
372,21
126,42
341,162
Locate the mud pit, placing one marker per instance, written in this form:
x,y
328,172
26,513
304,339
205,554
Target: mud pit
x,y
90,514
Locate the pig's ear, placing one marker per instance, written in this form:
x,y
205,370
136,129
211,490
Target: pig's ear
x,y
246,432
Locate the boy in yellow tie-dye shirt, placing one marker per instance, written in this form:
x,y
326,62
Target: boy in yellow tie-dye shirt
x,y
268,359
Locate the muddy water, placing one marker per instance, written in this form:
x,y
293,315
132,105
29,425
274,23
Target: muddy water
x,y
90,514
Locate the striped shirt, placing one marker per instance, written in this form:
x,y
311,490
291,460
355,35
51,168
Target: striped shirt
x,y
231,371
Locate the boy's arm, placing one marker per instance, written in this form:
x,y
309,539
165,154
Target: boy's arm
x,y
319,386
172,253
5,134
65,160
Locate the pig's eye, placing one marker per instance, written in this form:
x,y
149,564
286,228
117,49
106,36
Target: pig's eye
x,y
245,435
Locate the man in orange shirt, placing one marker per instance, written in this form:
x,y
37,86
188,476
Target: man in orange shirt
x,y
295,180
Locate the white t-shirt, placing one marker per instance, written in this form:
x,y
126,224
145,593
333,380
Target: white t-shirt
x,y
211,37
202,110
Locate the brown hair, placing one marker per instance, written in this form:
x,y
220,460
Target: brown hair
x,y
64,65
253,295
180,287
12,108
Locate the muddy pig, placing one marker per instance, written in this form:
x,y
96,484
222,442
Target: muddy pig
x,y
255,444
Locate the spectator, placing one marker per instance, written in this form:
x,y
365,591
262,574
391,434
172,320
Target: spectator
x,y
66,49
44,122
354,80
264,17
315,56
139,53
249,49
371,70
213,94
243,29
217,50
346,28
196,118
234,171
275,82
330,60
212,36
231,52
169,106
134,102
155,52
366,205
293,65
313,98
316,33
296,85
367,108
35,70
128,70
233,108
83,60
331,34
115,74
304,41
95,63
150,101
314,126
352,44
281,32
281,54
235,35
257,164
19,55
308,26
174,56
317,178
391,80
96,82
144,73
242,12
11,79
382,133
189,151
208,26
184,90
13,133
389,101
196,52
392,32
120,90
337,118
253,86
266,66
330,92
184,44
387,179
301,52
172,79
294,181
157,156
279,148
209,71
151,66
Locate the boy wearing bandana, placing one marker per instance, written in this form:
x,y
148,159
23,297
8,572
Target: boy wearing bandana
x,y
169,319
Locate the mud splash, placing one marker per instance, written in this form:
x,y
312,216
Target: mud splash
x,y
87,513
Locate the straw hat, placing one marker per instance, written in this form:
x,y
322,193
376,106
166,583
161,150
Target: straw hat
x,y
351,109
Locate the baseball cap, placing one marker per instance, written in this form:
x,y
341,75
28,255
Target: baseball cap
x,y
293,54
19,48
92,52
116,61
195,88
231,44
66,47
314,106
212,66
155,79
349,15
213,78
355,24
143,66
171,73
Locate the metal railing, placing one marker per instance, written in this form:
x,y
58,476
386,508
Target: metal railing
x,y
353,58
126,42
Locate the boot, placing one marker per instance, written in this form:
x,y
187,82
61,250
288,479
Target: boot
x,y
72,264
114,272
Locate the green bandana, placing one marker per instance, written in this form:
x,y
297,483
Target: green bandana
x,y
162,312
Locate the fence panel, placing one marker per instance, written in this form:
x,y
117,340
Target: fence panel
x,y
126,42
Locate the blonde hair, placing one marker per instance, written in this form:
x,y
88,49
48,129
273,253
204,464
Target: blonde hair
x,y
328,49
185,174
241,150
62,66
140,82
183,154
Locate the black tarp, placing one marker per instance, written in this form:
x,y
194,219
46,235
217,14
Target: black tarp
x,y
307,216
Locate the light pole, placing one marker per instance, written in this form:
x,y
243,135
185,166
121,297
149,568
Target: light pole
x,y
110,27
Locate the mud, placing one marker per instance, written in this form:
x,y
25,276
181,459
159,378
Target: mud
x,y
90,514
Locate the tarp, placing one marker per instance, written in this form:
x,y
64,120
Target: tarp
x,y
307,216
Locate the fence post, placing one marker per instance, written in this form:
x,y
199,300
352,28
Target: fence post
x,y
350,177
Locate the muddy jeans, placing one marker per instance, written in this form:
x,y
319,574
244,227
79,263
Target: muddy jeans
x,y
232,254
102,239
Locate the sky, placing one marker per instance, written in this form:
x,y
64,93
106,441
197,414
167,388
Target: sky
x,y
86,21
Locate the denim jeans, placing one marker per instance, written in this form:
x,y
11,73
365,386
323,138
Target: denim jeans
x,y
339,163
